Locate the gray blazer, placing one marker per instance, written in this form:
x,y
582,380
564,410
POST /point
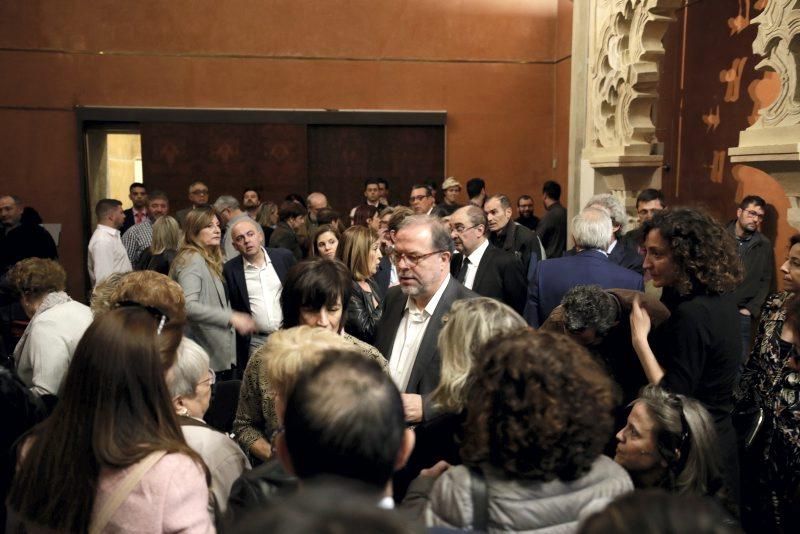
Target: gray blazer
x,y
207,309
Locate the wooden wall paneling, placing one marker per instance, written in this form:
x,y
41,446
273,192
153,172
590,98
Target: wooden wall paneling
x,y
227,157
342,157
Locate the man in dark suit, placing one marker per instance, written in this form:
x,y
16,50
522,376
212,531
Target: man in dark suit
x,y
481,267
291,216
412,315
591,230
552,227
620,250
138,213
254,279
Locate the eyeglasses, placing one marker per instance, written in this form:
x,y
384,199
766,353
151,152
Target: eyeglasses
x,y
199,192
412,259
212,378
460,229
754,215
417,198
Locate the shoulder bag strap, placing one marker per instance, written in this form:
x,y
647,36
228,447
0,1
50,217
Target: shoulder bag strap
x,y
480,500
123,490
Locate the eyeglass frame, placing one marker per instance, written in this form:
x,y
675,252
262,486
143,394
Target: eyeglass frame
x,y
418,198
461,232
212,378
754,214
395,257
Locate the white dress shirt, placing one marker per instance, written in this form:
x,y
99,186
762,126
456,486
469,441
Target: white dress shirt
x,y
474,261
410,332
264,290
107,255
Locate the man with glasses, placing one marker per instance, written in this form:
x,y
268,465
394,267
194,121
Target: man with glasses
x,y
421,199
412,318
755,251
198,196
481,267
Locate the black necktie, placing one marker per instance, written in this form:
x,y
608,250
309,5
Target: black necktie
x,y
462,273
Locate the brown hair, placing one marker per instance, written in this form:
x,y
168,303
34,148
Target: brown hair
x,y
196,220
353,250
35,277
114,410
363,214
704,252
538,407
321,230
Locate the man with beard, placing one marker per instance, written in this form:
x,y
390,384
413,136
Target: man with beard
x,y
525,209
251,200
413,311
755,251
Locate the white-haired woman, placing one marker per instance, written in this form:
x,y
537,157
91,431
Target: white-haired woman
x,y
191,379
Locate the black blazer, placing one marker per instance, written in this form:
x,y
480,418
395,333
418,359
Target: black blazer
x,y
499,276
383,276
284,237
233,273
428,364
130,220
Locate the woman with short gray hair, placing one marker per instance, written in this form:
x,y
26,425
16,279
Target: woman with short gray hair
x,y
190,381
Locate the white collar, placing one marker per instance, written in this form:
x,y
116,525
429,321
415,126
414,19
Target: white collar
x,y
110,230
267,261
431,306
477,254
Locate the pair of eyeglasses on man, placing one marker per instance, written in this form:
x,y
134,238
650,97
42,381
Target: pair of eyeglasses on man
x,y
460,228
417,198
412,259
754,215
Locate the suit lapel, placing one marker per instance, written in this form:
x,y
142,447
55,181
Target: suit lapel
x,y
241,283
486,259
428,346
392,315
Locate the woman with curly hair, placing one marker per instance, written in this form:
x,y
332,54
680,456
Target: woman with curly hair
x,y
697,351
198,269
538,416
771,385
56,324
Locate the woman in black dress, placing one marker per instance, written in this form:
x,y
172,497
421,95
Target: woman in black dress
x,y
697,351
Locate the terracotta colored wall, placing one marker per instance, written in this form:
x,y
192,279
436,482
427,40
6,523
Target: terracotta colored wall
x,y
491,64
701,117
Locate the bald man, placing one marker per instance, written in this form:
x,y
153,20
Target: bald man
x,y
255,279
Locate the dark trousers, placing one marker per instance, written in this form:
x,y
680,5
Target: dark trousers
x,y
745,328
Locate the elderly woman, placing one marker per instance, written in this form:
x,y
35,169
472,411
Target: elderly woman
x,y
276,366
126,467
316,292
538,415
669,442
57,323
360,252
198,269
325,242
190,388
697,351
770,388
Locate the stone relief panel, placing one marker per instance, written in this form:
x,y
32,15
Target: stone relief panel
x,y
623,74
778,41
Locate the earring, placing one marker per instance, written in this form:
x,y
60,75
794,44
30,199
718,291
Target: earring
x,y
183,411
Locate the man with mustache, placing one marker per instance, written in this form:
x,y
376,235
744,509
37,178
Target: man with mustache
x,y
413,310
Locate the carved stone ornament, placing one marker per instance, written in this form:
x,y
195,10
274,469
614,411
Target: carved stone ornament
x,y
623,74
778,29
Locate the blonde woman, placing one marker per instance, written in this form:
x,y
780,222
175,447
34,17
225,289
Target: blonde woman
x,y
361,253
164,248
198,270
468,326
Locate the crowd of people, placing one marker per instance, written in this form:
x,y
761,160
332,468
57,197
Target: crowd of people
x,y
437,365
